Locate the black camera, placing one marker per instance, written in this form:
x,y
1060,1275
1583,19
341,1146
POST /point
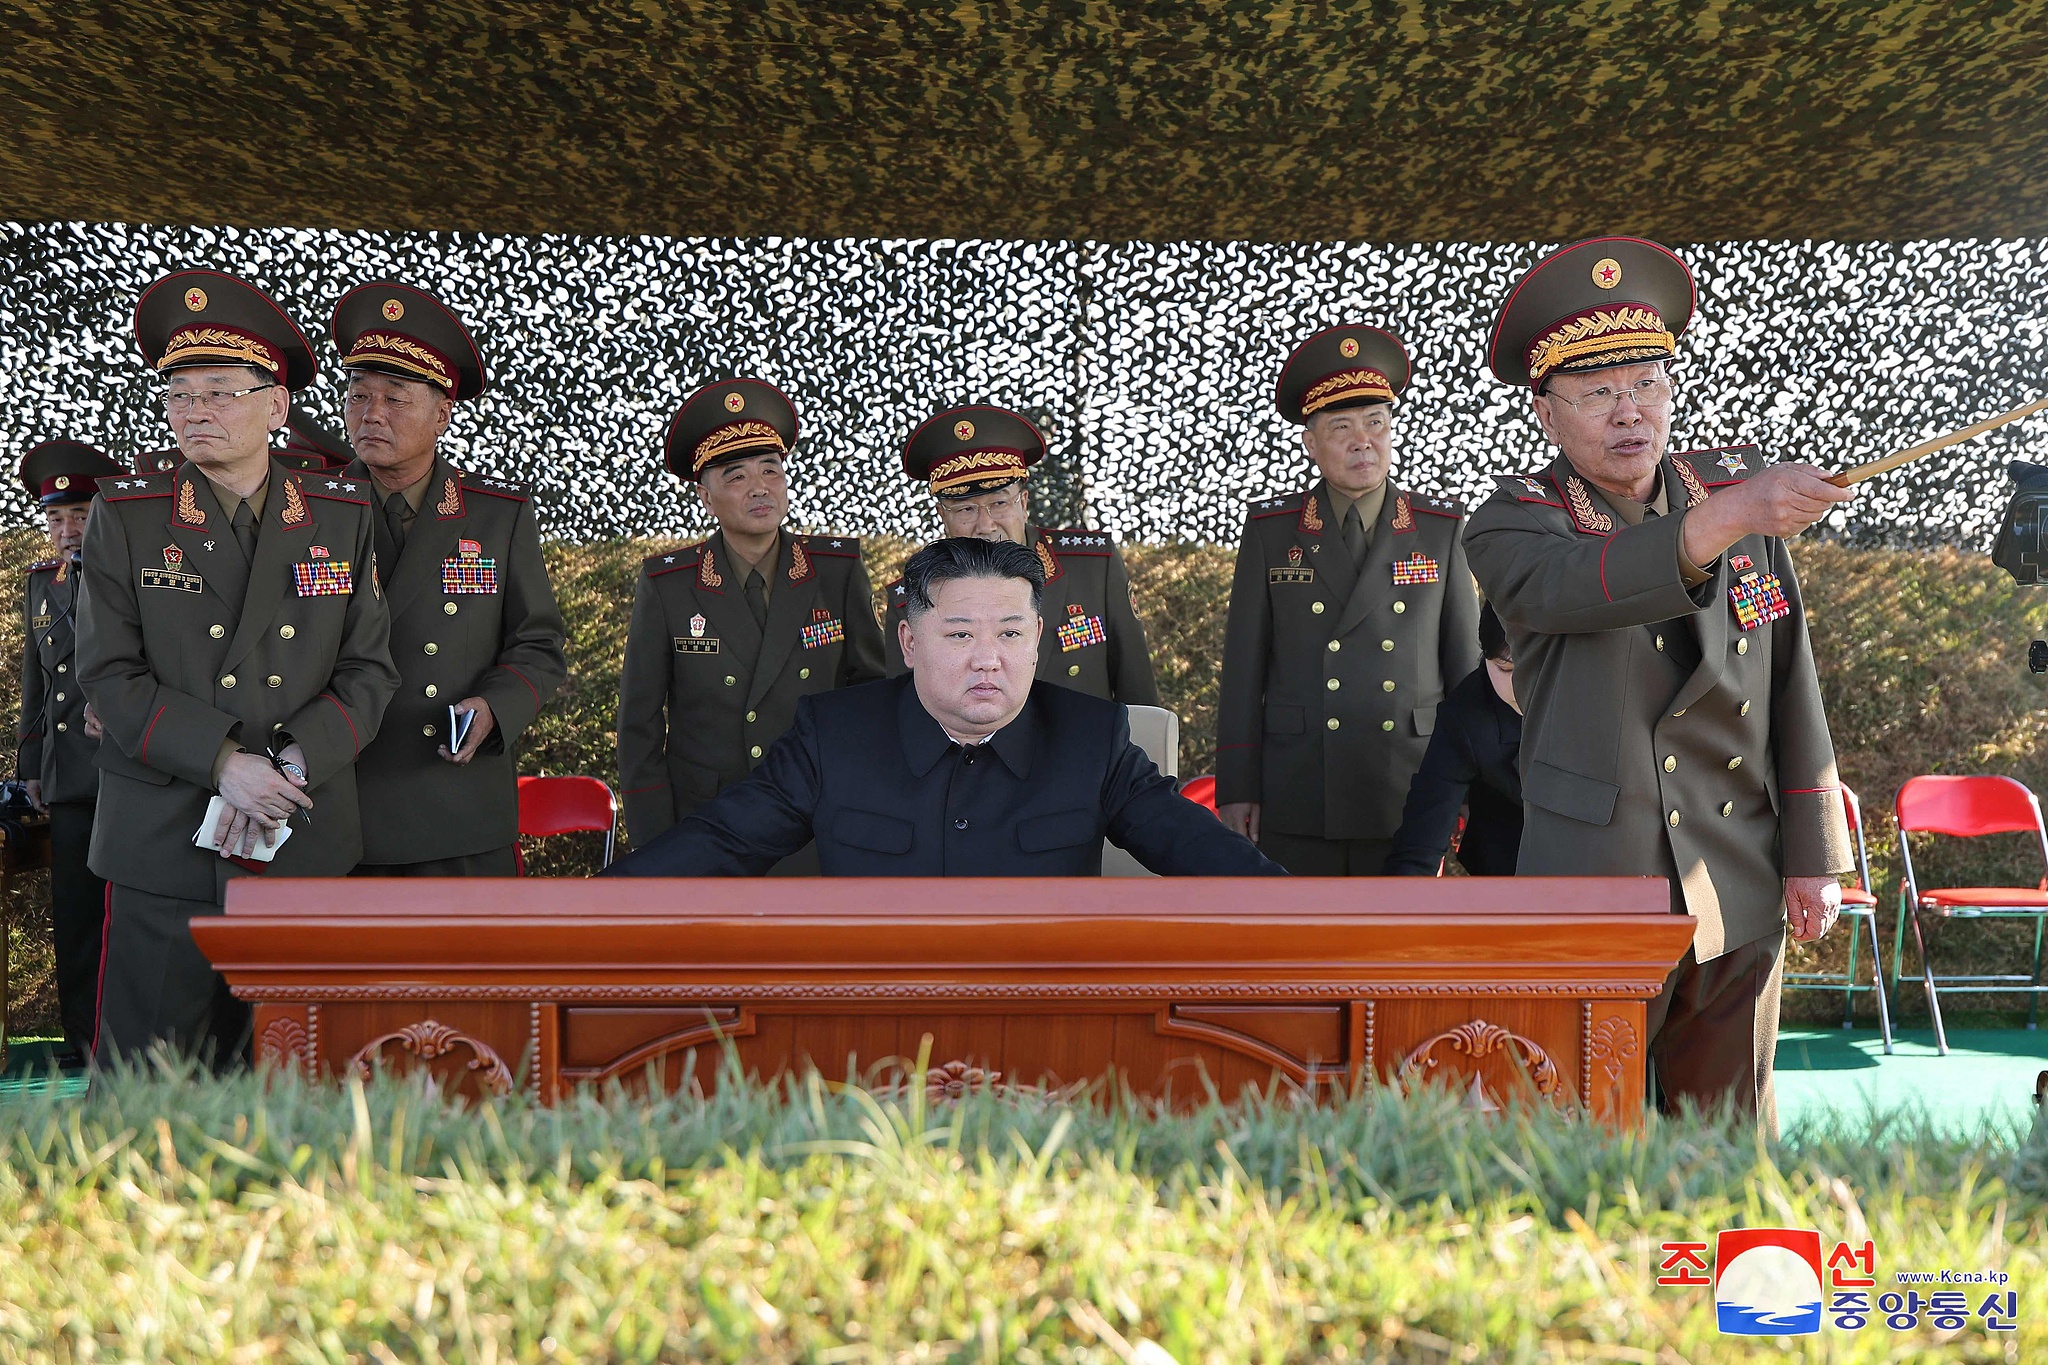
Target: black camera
x,y
2022,543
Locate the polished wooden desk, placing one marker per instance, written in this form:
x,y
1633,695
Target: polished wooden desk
x,y
1172,984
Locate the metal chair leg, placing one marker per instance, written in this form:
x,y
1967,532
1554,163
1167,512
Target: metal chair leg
x,y
1927,979
1884,1014
2034,996
1899,941
1849,987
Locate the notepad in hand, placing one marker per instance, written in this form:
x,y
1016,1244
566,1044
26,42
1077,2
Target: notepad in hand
x,y
268,841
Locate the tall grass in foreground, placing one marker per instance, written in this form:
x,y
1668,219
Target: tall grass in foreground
x,y
177,1217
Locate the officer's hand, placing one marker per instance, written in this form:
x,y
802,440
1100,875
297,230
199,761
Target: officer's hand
x,y
1812,904
258,797
1782,501
35,794
93,728
1241,816
480,727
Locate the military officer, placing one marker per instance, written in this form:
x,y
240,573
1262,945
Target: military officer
x,y
1351,612
58,739
977,462
475,631
729,633
1673,723
234,643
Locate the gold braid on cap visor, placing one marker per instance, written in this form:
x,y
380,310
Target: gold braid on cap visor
x,y
388,348
227,345
1600,335
1349,386
733,438
977,466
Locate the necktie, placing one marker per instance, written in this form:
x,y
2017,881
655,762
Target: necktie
x,y
1354,535
757,597
245,529
395,509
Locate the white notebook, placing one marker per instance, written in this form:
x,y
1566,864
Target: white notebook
x,y
268,841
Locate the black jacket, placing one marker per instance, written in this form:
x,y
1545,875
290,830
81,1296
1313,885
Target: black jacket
x,y
869,774
1471,760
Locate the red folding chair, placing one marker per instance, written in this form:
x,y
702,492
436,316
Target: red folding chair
x,y
1968,808
1201,791
567,805
1858,900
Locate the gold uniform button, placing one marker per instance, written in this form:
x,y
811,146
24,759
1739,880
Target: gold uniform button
x,y
730,680
62,726
1386,646
1727,808
1316,607
60,696
1400,607
448,607
228,681
1387,686
63,668
803,672
427,730
1331,722
1660,644
216,631
1734,763
1742,646
1670,763
286,632
1386,725
1073,670
433,691
432,648
273,681
1674,820
755,751
1333,684
1745,709
750,717
1336,645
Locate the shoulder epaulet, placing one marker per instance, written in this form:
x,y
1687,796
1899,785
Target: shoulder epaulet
x,y
1277,506
1436,507
1073,541
336,488
497,487
833,545
894,596
1529,488
671,560
1722,465
42,564
126,487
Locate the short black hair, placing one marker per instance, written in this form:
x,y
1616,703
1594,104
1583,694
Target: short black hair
x,y
968,557
1493,636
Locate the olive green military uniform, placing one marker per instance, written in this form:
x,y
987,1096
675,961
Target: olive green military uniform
x,y
705,690
1093,641
183,644
1670,729
472,615
55,751
1332,671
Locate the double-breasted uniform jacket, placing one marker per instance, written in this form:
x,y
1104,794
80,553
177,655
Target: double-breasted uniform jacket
x,y
1667,730
472,615
1332,672
54,749
705,690
1093,642
184,644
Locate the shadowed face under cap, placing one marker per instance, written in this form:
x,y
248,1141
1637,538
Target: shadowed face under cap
x,y
1606,301
204,317
730,420
395,329
964,451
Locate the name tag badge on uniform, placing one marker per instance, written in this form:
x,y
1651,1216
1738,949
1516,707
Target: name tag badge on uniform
x,y
1293,573
823,629
1080,629
173,574
469,571
695,642
1758,600
320,575
42,619
1416,568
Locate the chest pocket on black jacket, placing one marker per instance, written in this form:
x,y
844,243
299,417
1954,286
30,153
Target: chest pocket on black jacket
x,y
1061,829
873,831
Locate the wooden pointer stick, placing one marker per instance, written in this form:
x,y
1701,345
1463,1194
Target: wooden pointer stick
x,y
1912,453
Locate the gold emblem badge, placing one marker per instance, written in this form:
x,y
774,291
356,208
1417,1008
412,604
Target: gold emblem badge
x,y
734,402
195,299
963,430
63,482
1607,272
393,310
1348,348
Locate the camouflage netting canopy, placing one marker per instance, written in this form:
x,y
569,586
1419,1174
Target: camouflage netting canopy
x,y
1111,120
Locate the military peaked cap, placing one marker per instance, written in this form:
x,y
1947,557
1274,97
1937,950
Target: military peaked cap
x,y
1605,301
731,420
964,451
391,328
1341,367
205,317
64,471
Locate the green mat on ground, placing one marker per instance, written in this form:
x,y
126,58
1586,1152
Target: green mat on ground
x,y
1988,1076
